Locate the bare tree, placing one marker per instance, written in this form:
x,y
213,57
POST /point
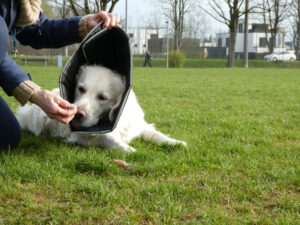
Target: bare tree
x,y
175,11
295,17
154,21
62,8
83,7
195,25
230,19
48,9
274,13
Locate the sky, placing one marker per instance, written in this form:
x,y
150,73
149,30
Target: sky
x,y
139,11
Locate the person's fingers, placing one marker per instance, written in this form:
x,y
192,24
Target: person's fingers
x,y
117,19
103,16
72,109
112,20
64,120
63,112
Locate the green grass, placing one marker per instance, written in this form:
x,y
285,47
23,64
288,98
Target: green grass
x,y
189,63
219,63
242,165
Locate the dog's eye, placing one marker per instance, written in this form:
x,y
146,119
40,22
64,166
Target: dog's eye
x,y
81,90
101,97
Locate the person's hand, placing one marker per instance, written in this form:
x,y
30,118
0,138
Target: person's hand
x,y
54,106
110,20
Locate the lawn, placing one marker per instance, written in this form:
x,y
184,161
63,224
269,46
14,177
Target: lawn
x,y
242,164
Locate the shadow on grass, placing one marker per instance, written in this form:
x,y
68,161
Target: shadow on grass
x,y
149,160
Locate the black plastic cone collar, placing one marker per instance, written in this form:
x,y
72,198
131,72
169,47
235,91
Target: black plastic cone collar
x,y
106,47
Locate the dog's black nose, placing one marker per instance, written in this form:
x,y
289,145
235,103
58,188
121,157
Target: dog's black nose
x,y
80,114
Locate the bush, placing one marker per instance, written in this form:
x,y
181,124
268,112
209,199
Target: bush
x,y
176,59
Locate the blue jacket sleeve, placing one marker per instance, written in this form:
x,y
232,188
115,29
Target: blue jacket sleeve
x,y
11,75
50,33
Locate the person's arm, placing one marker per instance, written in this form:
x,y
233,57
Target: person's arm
x,y
56,33
50,33
11,75
16,82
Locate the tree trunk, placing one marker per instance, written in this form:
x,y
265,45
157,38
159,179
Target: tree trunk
x,y
246,35
272,43
72,5
231,52
297,48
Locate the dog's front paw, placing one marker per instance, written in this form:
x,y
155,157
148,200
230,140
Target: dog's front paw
x,y
182,143
129,149
126,148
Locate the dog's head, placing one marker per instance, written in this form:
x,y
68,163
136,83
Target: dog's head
x,y
98,93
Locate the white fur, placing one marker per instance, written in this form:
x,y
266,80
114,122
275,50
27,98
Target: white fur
x,y
97,80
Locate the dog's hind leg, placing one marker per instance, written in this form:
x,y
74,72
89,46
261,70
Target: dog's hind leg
x,y
149,133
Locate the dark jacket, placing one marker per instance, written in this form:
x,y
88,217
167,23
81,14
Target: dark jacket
x,y
46,33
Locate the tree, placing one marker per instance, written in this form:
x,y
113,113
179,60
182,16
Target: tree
x,y
154,22
195,25
295,16
48,9
175,11
84,7
219,14
274,13
62,8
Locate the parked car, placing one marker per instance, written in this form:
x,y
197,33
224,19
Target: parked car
x,y
281,56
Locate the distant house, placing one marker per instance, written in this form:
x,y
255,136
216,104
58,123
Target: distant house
x,y
139,39
257,40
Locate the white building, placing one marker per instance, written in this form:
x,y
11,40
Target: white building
x,y
256,38
139,38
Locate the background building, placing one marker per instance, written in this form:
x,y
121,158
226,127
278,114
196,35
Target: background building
x,y
257,39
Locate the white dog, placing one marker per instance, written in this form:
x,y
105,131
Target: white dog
x,y
98,92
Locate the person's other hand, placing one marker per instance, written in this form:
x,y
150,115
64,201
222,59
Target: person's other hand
x,y
54,106
110,20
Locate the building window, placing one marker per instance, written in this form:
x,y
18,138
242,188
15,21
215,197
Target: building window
x,y
262,42
240,28
131,35
259,28
153,36
219,42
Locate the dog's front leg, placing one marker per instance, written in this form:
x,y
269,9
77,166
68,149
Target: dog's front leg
x,y
112,142
102,140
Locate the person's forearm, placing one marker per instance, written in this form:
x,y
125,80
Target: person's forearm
x,y
52,33
24,91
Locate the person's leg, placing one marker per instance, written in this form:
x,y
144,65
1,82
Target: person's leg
x,y
10,130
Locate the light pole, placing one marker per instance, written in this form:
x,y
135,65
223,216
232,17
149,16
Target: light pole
x,y
246,35
167,65
126,16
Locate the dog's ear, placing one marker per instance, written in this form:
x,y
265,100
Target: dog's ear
x,y
121,88
80,71
115,107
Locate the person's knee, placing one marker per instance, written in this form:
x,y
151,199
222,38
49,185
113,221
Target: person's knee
x,y
11,136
